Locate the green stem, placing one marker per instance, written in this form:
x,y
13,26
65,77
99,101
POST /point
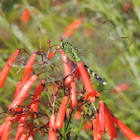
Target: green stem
x,y
81,124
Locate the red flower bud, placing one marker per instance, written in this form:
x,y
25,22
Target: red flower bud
x,y
25,15
110,123
61,113
22,94
90,92
6,131
67,68
73,94
127,131
36,97
5,71
97,134
21,127
52,130
28,70
102,116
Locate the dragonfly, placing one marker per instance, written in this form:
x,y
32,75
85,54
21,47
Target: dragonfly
x,y
96,51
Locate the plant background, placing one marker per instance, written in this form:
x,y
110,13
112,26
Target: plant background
x,y
53,16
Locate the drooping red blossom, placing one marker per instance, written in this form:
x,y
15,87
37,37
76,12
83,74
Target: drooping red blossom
x,y
26,74
10,119
69,30
52,130
73,94
97,134
21,127
68,112
28,69
110,123
33,106
36,97
67,67
90,92
25,15
5,71
121,87
102,116
18,88
22,94
6,130
2,127
61,113
127,131
51,54
23,137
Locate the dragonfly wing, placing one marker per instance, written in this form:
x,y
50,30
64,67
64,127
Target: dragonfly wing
x,y
55,71
21,59
100,48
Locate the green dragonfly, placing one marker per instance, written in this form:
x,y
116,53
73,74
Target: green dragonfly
x,y
97,50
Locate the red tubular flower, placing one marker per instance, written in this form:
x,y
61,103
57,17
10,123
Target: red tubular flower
x,y
22,94
72,27
67,112
8,119
1,128
51,54
25,15
36,97
67,67
21,127
34,106
97,134
102,116
5,71
28,70
73,94
87,83
23,137
110,123
127,131
52,130
18,88
61,113
6,131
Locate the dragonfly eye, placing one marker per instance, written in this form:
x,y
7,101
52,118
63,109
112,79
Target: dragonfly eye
x,y
62,46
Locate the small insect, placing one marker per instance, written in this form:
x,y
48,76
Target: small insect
x,y
96,50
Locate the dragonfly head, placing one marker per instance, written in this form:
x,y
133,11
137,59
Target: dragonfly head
x,y
64,45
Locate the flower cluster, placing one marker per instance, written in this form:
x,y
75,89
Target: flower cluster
x,y
73,104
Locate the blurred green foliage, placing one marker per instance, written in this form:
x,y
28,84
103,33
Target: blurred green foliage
x,y
53,16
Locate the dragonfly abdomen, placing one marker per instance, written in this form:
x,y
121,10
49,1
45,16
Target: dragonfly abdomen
x,y
97,77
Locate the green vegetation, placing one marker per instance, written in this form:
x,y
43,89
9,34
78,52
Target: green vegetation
x,y
52,17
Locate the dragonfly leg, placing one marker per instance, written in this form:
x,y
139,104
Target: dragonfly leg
x,y
97,77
